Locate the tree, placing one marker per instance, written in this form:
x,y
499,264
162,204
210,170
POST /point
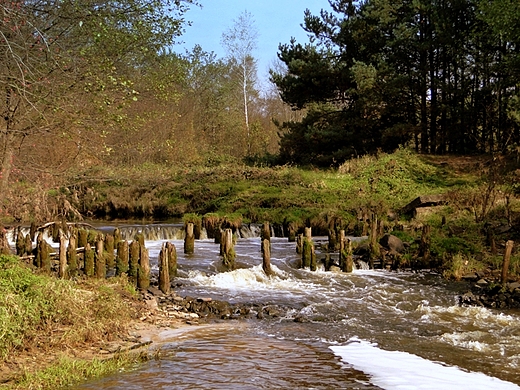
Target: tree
x,y
63,61
240,41
440,74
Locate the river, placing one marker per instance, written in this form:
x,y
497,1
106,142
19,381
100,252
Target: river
x,y
371,329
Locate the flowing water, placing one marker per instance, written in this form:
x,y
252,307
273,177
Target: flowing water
x,y
366,330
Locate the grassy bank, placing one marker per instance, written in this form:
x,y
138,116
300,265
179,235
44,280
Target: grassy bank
x,y
51,329
480,215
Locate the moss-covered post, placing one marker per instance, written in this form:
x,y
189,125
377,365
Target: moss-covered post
x,y
122,258
143,279
172,260
507,257
72,257
89,261
62,268
101,263
28,244
266,257
307,248
189,239
346,261
333,239
133,263
164,276
109,250
82,238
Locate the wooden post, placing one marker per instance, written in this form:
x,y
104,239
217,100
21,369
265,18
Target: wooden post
x,y
314,265
291,233
38,257
349,258
122,258
133,263
265,233
109,248
507,257
20,244
189,239
28,244
72,257
82,238
43,253
32,230
62,270
299,244
89,261
117,236
307,248
333,239
172,260
164,276
101,265
266,257
227,249
143,280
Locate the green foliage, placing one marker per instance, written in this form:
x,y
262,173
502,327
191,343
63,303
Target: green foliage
x,y
378,74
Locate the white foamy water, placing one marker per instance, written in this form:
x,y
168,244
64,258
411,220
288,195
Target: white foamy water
x,y
396,370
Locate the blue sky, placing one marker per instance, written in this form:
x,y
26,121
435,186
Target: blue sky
x,y
276,22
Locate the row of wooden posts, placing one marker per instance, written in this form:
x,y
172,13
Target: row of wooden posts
x,y
108,254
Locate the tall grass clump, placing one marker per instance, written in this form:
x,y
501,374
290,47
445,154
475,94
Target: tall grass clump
x,y
38,311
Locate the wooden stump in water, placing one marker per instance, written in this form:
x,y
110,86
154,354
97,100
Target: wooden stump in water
x,y
62,269
37,262
227,250
89,261
133,263
139,237
299,244
101,267
265,233
44,254
266,257
117,236
189,239
72,257
109,250
5,249
122,258
143,279
28,244
308,250
82,238
20,244
164,276
291,232
333,240
346,260
507,257
172,260
32,230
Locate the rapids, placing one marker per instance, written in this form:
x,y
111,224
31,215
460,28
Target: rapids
x,y
367,330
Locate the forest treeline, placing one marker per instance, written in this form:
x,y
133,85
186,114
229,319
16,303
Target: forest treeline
x,y
98,84
441,75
